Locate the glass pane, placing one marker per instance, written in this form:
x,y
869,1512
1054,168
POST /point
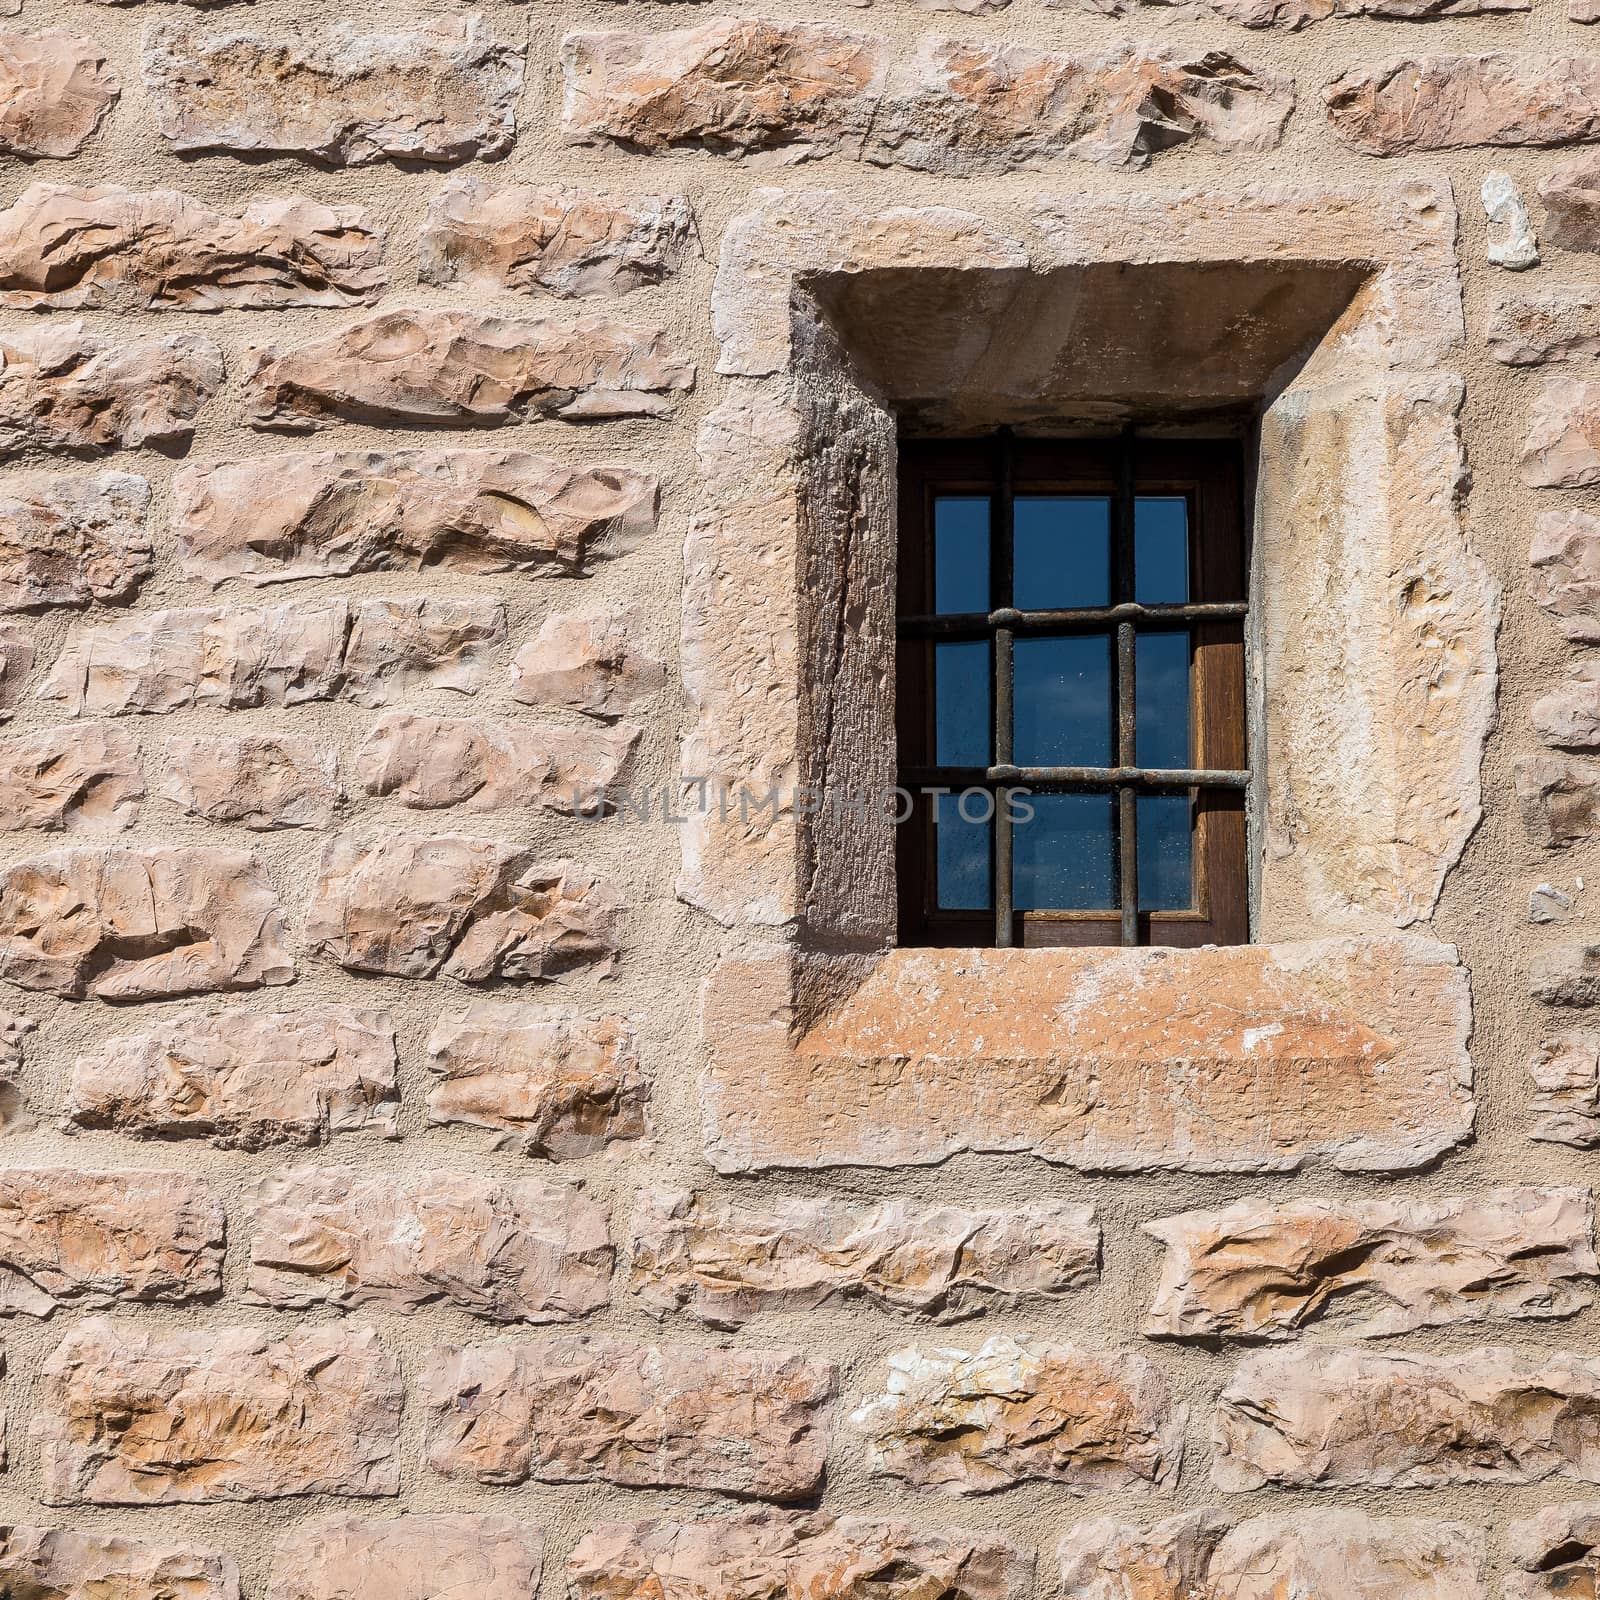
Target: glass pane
x,y
1161,550
1166,854
1062,857
961,553
963,850
1061,702
963,720
1061,551
1161,699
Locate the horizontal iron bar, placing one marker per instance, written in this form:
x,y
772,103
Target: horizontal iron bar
x,y
1144,777
1075,617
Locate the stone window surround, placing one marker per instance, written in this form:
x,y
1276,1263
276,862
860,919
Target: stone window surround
x,y
1375,709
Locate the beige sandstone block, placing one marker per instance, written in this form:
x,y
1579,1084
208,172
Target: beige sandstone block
x,y
1292,15
734,86
414,641
429,1557
80,778
1551,325
67,541
466,366
1565,1069
129,1417
276,518
1316,1416
1559,799
1569,714
584,1410
552,238
55,90
244,1079
78,1239
471,909
141,924
1571,195
1562,446
1565,572
64,388
1310,1555
525,1250
261,780
429,763
598,665
1566,975
970,1422
1558,1550
129,250
549,1083
445,90
1453,102
16,662
14,1114
791,1554
1264,1269
66,1565
727,1262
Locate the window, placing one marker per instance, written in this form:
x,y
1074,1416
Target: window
x,y
1071,675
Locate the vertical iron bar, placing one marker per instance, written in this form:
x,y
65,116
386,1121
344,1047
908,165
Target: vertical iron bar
x,y
1000,580
1127,800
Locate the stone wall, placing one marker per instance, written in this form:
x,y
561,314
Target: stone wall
x,y
439,1152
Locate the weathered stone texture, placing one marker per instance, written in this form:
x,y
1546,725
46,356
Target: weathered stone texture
x,y
792,1554
1558,1550
594,664
528,1250
1569,714
1295,14
968,1422
16,662
75,1238
1322,1417
367,651
466,366
14,1113
65,1565
76,777
580,1410
1311,1555
1571,195
244,1079
1452,102
121,249
549,1083
55,90
68,541
1566,975
424,1557
63,388
1565,1070
260,780
445,90
429,763
1559,799
472,909
277,518
727,1261
141,924
127,1417
552,238
1263,1269
1551,325
1511,242
1565,576
1562,447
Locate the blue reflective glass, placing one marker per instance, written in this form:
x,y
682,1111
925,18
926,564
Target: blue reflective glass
x,y
963,721
1062,858
961,553
1161,699
1161,550
1166,854
1061,701
962,851
1061,551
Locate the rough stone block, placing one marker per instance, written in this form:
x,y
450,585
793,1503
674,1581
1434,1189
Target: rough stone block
x,y
1566,1075
141,924
76,777
1566,975
16,662
1264,1269
1550,325
594,664
277,518
472,909
582,1410
527,1250
1558,1550
55,90
1569,714
122,249
549,1083
1562,447
552,238
969,1422
75,1238
466,366
427,1557
65,1565
446,90
261,780
14,1113
1292,15
68,541
727,1261
1571,195
1559,799
244,1079
128,1417
1565,575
